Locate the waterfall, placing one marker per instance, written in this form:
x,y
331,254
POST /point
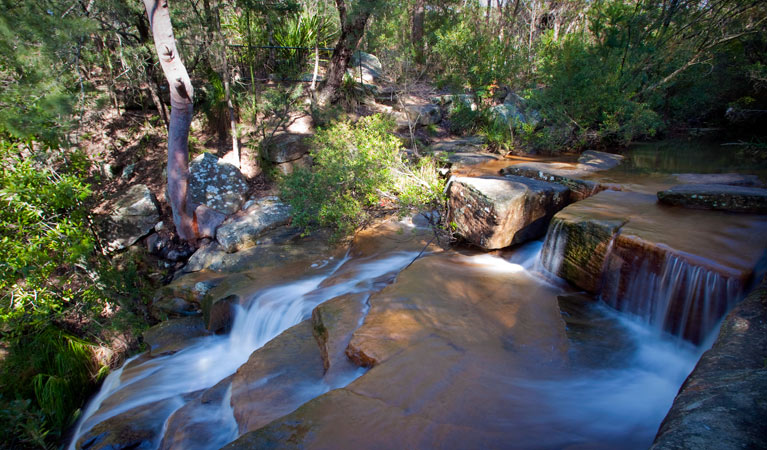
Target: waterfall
x,y
269,312
554,247
683,298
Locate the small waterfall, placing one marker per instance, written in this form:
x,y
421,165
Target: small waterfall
x,y
680,297
554,247
271,311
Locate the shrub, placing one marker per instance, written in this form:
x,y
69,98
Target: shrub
x,y
358,169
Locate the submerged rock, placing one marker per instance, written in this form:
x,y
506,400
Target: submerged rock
x,y
242,231
135,215
496,212
722,403
216,184
717,196
735,179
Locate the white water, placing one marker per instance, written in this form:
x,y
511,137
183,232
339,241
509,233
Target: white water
x,y
211,359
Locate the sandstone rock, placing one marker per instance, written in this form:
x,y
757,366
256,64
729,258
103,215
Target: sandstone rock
x,y
173,335
139,427
333,323
735,179
216,184
423,114
495,212
449,102
135,215
460,160
469,144
218,312
722,403
199,425
289,167
285,147
367,66
600,160
292,365
579,189
717,196
241,232
207,221
172,307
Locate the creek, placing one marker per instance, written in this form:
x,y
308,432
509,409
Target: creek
x,y
413,346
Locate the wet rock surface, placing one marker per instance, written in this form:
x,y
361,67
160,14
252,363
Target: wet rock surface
x,y
495,212
135,215
242,231
722,403
717,196
735,179
579,189
216,184
174,335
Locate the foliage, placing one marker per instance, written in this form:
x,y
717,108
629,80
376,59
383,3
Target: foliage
x,y
358,169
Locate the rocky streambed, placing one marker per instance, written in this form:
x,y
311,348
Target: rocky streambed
x,y
581,339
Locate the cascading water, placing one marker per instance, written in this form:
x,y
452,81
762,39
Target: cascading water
x,y
553,247
169,380
681,298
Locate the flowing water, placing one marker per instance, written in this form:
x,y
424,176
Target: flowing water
x,y
473,350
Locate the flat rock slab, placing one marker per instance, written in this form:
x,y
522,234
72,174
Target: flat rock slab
x,y
600,160
135,215
717,196
470,144
216,184
496,212
242,231
579,189
735,179
446,350
722,403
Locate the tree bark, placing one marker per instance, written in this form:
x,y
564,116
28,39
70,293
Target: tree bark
x,y
416,35
352,30
181,94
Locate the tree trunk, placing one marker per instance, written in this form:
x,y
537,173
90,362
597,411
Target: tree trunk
x,y
416,36
181,94
352,30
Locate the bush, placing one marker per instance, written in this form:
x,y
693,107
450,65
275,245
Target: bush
x,y
359,169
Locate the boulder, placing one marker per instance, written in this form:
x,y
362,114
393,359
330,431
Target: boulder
x,y
216,184
717,196
173,307
600,160
496,212
366,66
173,335
242,231
423,114
579,189
285,147
735,179
449,102
135,215
469,144
722,403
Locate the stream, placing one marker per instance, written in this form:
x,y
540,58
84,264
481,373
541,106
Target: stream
x,y
468,350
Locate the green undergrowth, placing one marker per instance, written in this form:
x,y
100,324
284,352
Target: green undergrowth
x,y
59,297
359,170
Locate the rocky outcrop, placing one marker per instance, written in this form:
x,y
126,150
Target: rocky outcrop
x,y
287,151
242,231
427,114
656,262
135,215
207,221
595,160
216,184
717,196
496,212
722,403
448,103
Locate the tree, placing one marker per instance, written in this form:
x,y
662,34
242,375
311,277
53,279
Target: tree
x,y
416,34
352,29
182,110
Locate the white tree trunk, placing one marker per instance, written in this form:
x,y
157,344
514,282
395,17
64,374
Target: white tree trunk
x,y
181,95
